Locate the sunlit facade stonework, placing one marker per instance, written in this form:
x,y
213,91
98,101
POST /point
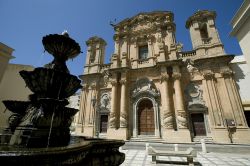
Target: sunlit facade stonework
x,y
152,89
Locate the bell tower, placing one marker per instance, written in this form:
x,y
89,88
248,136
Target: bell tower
x,y
204,34
95,55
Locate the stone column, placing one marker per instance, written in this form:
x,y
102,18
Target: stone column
x,y
117,44
112,118
123,113
179,105
213,98
82,107
92,105
235,102
167,114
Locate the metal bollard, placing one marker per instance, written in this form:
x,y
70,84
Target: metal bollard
x,y
203,146
175,147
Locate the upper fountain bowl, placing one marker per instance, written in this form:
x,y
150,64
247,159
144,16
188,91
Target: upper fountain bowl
x,y
61,46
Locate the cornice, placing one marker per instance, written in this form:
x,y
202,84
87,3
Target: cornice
x,y
94,40
200,15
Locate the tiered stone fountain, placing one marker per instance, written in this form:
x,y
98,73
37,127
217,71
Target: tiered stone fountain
x,y
38,132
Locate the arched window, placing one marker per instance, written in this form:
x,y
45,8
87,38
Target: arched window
x,y
203,30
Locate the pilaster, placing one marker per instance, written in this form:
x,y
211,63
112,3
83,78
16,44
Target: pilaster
x,y
179,105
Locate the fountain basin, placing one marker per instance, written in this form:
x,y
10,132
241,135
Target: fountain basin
x,y
80,151
49,83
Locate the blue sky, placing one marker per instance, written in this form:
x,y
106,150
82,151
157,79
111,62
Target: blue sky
x,y
25,22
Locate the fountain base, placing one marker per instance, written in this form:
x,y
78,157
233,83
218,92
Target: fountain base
x,y
80,151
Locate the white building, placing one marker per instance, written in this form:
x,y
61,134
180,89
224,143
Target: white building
x,y
241,28
242,78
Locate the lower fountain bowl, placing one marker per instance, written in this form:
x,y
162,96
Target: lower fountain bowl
x,y
80,151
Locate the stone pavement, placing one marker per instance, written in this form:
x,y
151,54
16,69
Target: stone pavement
x,y
140,158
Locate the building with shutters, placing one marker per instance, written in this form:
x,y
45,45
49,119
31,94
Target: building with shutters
x,y
152,89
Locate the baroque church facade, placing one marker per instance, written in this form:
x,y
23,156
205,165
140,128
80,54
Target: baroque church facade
x,y
151,89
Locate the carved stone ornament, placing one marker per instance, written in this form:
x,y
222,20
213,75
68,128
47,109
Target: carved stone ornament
x,y
167,120
176,76
123,81
208,75
164,77
106,77
112,120
105,101
227,73
85,86
123,120
194,94
190,66
182,119
113,82
144,87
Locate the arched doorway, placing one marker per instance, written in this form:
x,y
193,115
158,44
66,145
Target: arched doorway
x,y
146,121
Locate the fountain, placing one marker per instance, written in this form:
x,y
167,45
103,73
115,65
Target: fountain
x,y
38,132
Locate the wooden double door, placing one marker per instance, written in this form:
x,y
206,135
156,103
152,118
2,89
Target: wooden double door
x,y
146,121
103,123
198,124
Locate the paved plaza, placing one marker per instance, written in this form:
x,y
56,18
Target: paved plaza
x,y
139,157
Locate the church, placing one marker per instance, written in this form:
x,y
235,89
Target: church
x,y
153,90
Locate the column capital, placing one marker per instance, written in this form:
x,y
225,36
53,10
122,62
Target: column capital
x,y
85,86
208,75
176,76
226,73
93,85
123,81
164,77
113,82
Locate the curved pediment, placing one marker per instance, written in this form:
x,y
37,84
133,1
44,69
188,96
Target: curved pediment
x,y
144,87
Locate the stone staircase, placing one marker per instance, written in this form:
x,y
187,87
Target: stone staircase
x,y
206,138
147,139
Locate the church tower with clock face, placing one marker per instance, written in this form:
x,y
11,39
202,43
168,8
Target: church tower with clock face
x,y
153,90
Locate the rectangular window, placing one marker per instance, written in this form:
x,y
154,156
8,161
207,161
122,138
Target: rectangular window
x,y
143,52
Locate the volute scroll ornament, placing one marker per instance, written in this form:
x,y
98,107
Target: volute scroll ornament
x,y
123,81
113,82
182,119
208,75
164,77
176,76
167,120
112,120
123,120
227,73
